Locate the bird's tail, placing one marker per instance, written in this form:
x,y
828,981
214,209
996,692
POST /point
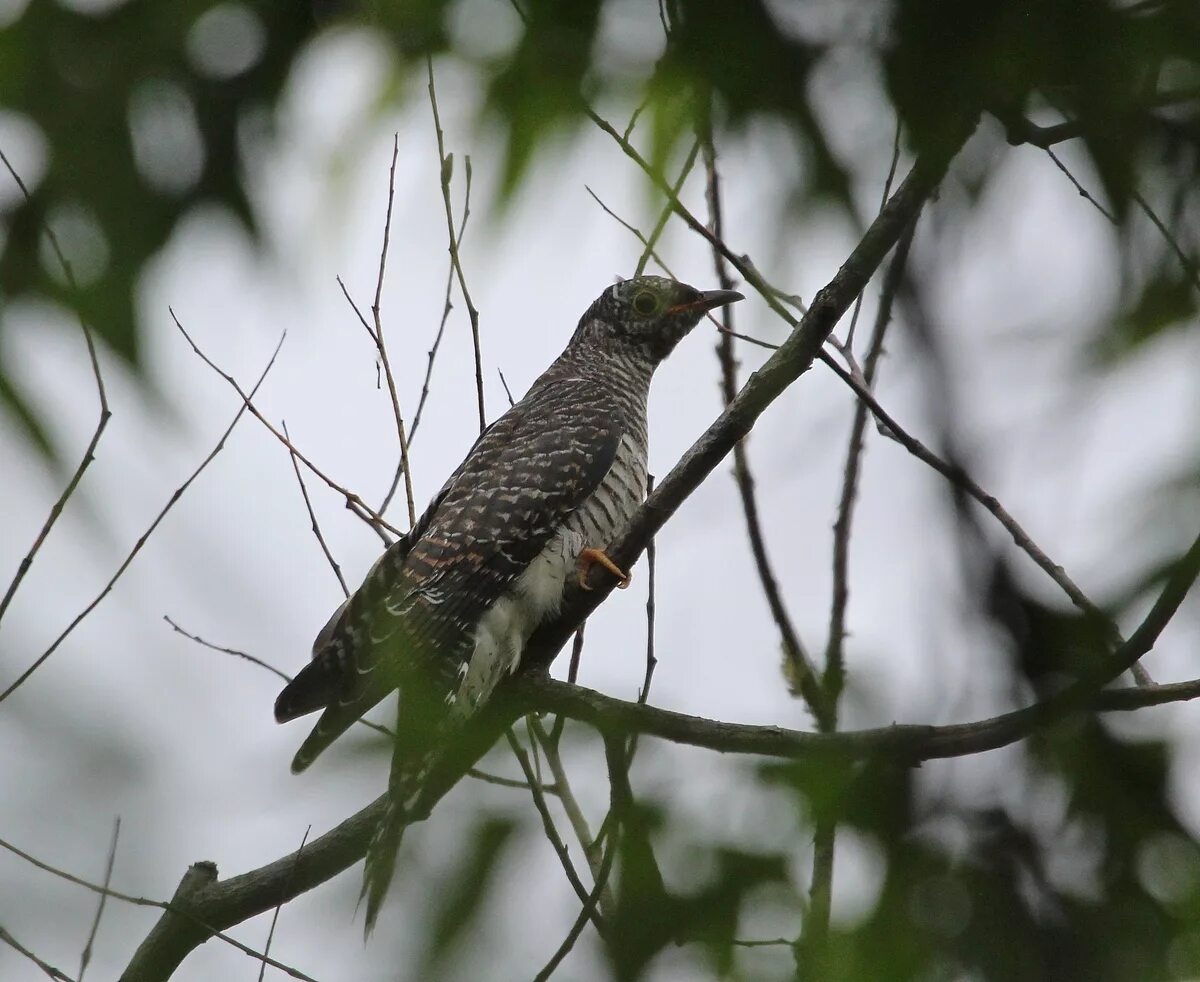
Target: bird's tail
x,y
381,861
404,786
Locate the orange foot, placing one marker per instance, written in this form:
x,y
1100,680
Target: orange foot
x,y
598,557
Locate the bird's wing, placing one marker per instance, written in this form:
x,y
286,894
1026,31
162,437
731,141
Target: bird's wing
x,y
414,617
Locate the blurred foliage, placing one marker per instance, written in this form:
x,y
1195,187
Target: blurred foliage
x,y
141,108
460,901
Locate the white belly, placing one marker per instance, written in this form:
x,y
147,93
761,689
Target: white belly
x,y
538,592
502,632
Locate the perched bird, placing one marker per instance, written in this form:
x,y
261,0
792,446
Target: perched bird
x,y
446,611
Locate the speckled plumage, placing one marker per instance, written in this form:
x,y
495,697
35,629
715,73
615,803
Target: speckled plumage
x,y
445,612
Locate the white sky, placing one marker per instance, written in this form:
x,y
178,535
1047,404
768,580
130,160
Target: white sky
x,y
130,719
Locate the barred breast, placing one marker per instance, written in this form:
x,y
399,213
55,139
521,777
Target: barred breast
x,y
538,592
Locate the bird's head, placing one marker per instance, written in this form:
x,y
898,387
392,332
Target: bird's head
x,y
651,314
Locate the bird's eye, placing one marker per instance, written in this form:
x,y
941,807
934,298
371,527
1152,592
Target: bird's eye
x,y
645,303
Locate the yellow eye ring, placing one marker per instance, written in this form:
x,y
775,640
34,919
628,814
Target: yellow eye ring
x,y
645,303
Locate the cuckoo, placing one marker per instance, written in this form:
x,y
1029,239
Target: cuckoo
x,y
445,613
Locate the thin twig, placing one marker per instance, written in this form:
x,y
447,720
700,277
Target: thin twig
x,y
89,453
761,943
659,226
548,825
85,957
747,270
1020,130
137,547
507,391
963,481
960,479
312,517
800,667
887,190
747,338
809,947
586,913
560,722
835,669
45,966
613,751
579,822
1188,264
636,231
158,904
353,502
651,659
228,651
447,306
811,941
275,916
402,466
456,259
1083,192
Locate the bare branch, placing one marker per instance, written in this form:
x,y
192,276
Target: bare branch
x,y
228,651
1188,264
659,226
548,826
1083,192
402,466
197,875
1019,130
45,966
455,258
447,306
137,546
89,452
636,231
579,822
353,502
86,957
887,190
275,917
835,670
802,671
312,518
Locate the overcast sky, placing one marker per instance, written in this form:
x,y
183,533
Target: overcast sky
x,y
133,720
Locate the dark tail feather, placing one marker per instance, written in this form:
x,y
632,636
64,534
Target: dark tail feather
x,y
409,772
316,687
321,685
381,861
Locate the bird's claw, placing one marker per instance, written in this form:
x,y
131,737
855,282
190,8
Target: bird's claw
x,y
598,557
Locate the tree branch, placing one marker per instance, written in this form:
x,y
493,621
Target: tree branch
x,y
794,357
215,905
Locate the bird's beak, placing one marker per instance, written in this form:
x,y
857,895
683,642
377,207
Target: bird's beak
x,y
708,300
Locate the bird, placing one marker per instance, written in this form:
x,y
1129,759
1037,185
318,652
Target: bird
x,y
444,614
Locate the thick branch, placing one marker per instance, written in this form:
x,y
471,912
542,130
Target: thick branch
x,y
219,904
794,357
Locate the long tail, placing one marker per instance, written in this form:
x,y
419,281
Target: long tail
x,y
381,862
404,785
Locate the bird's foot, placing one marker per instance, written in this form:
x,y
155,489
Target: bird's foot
x,y
598,557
